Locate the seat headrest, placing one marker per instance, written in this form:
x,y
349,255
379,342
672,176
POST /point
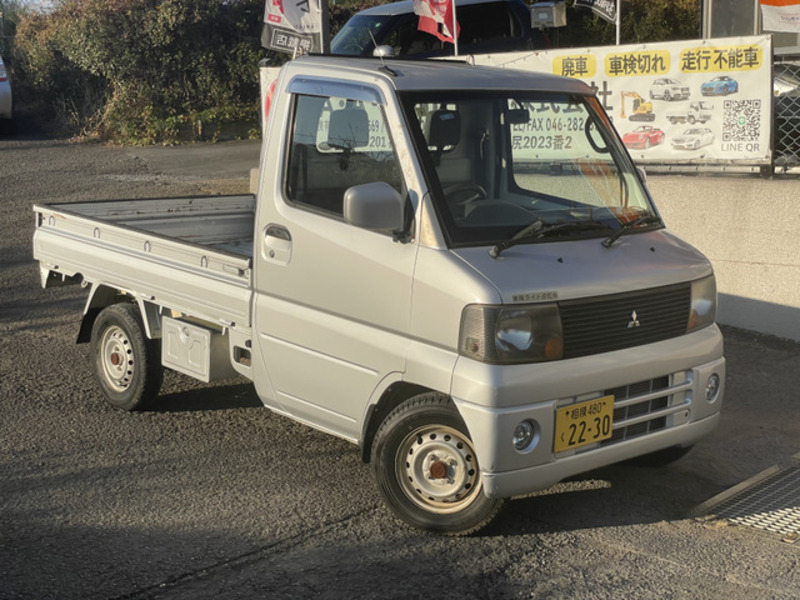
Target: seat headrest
x,y
348,128
444,129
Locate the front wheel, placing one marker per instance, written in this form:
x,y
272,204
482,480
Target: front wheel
x,y
427,470
127,364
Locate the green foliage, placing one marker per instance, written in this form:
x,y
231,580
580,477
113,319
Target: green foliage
x,y
144,71
642,21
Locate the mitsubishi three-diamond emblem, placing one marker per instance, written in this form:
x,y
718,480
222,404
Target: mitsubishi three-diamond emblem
x,y
634,322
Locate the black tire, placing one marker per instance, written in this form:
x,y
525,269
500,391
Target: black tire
x,y
661,458
426,469
127,364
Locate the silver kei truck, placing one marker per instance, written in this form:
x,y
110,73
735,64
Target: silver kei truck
x,y
457,268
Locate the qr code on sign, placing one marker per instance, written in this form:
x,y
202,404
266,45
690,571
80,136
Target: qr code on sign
x,y
741,121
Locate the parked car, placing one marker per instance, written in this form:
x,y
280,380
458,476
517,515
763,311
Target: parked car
x,y
643,137
6,101
485,26
693,138
667,88
719,86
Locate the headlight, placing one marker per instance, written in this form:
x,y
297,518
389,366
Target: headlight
x,y
704,304
511,334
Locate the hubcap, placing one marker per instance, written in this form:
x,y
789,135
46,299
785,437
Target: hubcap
x,y
116,358
438,469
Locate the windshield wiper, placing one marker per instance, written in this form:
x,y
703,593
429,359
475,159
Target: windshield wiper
x,y
538,230
646,220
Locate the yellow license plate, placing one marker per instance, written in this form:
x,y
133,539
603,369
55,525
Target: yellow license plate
x,y
584,423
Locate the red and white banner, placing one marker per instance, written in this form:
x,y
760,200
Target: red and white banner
x,y
780,15
437,17
294,26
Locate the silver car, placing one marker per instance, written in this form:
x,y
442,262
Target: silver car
x,y
693,138
6,101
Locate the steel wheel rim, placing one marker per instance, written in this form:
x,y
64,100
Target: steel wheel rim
x,y
438,470
116,358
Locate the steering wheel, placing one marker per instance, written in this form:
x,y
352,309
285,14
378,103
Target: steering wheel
x,y
459,195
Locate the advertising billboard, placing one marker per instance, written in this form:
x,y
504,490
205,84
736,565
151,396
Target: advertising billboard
x,y
703,101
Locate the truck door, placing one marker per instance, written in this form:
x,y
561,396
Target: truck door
x,y
332,301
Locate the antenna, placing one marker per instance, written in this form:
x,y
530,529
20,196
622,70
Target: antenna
x,y
380,52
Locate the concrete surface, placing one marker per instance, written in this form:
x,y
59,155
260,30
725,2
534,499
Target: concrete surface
x,y
748,227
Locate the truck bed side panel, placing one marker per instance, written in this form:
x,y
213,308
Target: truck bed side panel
x,y
127,245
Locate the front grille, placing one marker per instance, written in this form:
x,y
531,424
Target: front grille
x,y
642,408
647,406
618,321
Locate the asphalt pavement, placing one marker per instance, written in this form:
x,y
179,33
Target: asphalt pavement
x,y
212,496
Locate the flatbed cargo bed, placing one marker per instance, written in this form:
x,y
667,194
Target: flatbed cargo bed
x,y
192,255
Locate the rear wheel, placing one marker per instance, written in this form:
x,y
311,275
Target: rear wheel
x,y
427,470
127,364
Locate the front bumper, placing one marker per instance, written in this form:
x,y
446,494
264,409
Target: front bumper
x,y
636,145
660,402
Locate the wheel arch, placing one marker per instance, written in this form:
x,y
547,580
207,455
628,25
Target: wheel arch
x,y
101,296
395,394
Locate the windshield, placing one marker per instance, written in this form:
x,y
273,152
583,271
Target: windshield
x,y
500,163
355,38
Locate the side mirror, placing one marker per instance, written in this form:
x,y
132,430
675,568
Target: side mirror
x,y
376,206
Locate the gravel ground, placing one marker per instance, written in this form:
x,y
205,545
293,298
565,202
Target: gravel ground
x,y
213,496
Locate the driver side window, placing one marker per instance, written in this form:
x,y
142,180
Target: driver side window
x,y
337,143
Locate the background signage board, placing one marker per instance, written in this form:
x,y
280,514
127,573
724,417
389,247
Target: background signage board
x,y
703,101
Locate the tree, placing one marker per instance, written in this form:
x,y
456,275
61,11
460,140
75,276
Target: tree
x,y
143,70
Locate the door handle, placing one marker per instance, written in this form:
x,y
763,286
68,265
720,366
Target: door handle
x,y
278,231
277,246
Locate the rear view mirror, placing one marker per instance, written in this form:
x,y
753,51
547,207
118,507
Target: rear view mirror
x,y
517,116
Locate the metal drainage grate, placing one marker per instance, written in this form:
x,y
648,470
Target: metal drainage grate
x,y
769,501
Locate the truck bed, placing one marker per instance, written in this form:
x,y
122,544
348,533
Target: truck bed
x,y
193,255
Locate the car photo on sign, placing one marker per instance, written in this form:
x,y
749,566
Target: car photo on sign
x,y
693,138
666,88
720,86
643,137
